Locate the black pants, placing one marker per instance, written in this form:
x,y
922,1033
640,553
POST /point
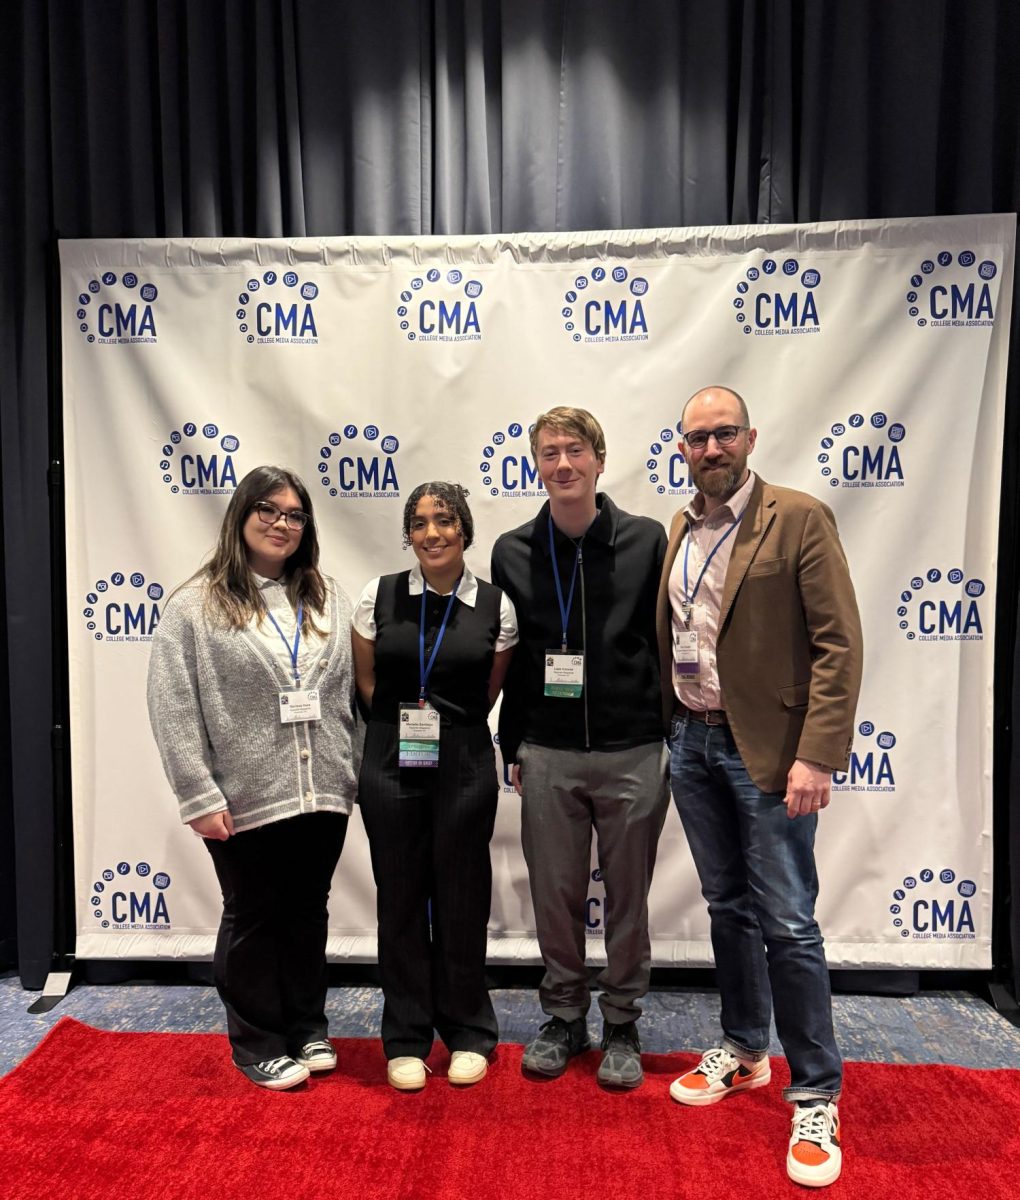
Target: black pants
x,y
270,961
429,830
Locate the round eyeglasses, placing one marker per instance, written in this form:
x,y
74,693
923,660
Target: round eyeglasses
x,y
269,514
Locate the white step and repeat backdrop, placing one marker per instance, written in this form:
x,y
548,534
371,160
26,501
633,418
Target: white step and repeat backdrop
x,y
872,355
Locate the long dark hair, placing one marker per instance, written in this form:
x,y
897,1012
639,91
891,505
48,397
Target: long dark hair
x,y
231,590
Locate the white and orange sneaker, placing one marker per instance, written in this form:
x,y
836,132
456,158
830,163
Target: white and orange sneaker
x,y
718,1075
815,1158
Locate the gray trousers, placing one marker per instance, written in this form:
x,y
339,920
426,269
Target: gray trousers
x,y
623,795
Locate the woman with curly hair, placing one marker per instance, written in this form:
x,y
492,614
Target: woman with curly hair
x,y
431,648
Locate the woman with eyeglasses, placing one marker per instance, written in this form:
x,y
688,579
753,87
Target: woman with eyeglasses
x,y
431,649
250,697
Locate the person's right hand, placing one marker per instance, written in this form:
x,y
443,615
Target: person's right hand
x,y
218,825
515,778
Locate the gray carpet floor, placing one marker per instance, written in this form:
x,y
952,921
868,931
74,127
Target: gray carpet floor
x,y
931,1027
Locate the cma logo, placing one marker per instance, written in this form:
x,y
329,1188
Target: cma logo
x,y
939,614
123,899
507,467
772,301
666,466
115,615
606,307
861,454
952,293
198,462
278,310
595,905
360,468
430,312
871,767
929,908
121,317
508,783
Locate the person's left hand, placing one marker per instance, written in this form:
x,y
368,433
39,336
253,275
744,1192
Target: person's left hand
x,y
807,788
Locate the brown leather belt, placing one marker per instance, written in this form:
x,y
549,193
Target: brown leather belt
x,y
706,716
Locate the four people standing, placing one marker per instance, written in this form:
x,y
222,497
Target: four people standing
x,y
742,632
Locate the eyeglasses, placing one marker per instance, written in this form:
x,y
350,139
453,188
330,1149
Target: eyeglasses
x,y
725,435
269,514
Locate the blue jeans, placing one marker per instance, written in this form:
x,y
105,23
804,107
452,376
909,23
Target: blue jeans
x,y
757,872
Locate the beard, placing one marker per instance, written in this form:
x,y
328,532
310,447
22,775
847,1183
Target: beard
x,y
720,482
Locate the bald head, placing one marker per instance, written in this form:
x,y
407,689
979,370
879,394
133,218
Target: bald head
x,y
714,400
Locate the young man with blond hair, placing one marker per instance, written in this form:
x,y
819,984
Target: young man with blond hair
x,y
582,728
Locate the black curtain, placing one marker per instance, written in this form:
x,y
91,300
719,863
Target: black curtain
x,y
318,117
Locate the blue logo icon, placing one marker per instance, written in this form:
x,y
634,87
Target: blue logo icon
x,y
666,465
863,459
360,468
194,463
132,903
445,310
124,615
276,316
506,465
784,303
118,317
611,310
934,911
871,767
935,609
953,296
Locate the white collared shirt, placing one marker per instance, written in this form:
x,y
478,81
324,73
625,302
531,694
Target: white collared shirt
x,y
276,601
467,593
703,533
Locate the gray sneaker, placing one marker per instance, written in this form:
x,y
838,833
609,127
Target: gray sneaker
x,y
621,1056
557,1043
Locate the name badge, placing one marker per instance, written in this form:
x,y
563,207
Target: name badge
x,y
564,673
686,661
419,736
300,704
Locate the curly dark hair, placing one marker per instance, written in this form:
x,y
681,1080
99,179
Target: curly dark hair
x,y
450,497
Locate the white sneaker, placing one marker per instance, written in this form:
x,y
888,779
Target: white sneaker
x,y
406,1074
466,1067
718,1075
814,1158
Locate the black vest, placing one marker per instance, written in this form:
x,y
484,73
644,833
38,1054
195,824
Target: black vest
x,y
459,681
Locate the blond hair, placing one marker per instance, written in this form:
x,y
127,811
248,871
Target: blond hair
x,y
577,422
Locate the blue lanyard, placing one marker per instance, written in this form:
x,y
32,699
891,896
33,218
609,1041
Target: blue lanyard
x,y
712,553
426,671
564,608
291,650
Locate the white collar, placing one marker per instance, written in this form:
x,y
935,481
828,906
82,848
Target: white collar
x,y
263,581
467,590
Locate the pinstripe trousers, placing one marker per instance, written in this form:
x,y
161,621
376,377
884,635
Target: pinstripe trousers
x,y
429,831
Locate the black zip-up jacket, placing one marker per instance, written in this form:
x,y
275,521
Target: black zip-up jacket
x,y
612,620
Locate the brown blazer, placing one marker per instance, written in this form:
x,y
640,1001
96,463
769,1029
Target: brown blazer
x,y
790,647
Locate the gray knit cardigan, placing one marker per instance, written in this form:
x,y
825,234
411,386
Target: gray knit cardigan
x,y
214,708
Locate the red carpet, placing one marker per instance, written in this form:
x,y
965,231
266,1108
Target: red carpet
x,y
150,1115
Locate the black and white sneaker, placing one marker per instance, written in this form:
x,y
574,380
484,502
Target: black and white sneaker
x,y
316,1056
275,1073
